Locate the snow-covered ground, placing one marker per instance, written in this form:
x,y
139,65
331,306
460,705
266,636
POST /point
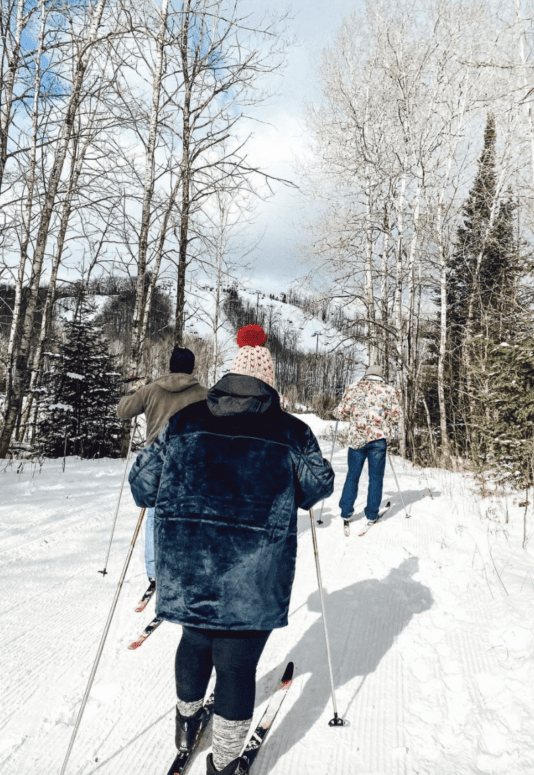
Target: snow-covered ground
x,y
430,621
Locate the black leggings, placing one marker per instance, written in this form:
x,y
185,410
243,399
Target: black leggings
x,y
234,654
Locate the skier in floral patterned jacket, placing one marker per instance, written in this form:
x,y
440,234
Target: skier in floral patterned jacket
x,y
373,410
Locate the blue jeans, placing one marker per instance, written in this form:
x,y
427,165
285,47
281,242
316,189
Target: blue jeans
x,y
375,454
150,564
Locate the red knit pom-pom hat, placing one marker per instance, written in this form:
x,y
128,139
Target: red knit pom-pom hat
x,y
253,359
252,335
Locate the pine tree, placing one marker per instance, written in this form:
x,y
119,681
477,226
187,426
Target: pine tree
x,y
78,413
481,298
468,266
511,401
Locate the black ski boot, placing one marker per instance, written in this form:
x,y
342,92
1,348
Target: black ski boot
x,y
239,766
188,727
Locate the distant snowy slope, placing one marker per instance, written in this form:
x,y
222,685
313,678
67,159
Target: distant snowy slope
x,y
283,316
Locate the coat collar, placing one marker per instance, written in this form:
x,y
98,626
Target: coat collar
x,y
237,394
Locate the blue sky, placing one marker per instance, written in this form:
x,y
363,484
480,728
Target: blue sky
x,y
314,23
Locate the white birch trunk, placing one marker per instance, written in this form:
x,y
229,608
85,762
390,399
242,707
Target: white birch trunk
x,y
471,307
443,268
159,256
7,92
66,210
148,191
371,332
384,292
27,212
13,405
528,105
398,310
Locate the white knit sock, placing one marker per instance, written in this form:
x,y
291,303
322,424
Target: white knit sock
x,y
189,708
228,739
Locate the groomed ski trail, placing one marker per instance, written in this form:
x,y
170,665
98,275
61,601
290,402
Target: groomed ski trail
x,y
430,625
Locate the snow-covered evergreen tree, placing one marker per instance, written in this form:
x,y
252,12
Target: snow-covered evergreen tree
x,y
487,270
509,427
81,392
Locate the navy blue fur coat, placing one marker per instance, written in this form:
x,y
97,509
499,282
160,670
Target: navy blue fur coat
x,y
226,476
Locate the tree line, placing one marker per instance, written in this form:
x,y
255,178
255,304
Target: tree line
x,y
123,134
123,160
422,165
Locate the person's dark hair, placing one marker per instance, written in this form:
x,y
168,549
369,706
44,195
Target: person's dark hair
x,y
182,361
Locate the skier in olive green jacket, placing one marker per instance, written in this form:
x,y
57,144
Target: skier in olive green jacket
x,y
159,401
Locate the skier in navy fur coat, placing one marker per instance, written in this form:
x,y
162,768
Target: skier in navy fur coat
x,y
226,477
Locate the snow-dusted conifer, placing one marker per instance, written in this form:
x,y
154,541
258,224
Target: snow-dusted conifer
x,y
511,429
81,393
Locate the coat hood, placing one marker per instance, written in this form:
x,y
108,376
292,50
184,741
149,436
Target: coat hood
x,y
176,383
238,394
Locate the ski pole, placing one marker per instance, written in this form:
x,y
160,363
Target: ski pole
x,y
336,721
398,488
102,641
320,521
132,431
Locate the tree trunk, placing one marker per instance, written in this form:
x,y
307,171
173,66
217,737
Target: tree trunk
x,y
466,348
371,329
76,169
384,293
7,92
186,179
159,257
526,103
148,191
31,176
14,404
398,314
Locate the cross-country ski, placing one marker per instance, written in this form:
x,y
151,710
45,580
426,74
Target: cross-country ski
x,y
147,632
257,738
142,604
370,523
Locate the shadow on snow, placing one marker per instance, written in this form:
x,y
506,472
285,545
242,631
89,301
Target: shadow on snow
x,y
364,620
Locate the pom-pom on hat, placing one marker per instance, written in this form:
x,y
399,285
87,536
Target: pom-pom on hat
x,y
251,336
253,359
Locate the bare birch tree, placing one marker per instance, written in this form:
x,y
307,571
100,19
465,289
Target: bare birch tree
x,y
88,38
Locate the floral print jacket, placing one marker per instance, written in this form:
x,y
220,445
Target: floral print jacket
x,y
372,408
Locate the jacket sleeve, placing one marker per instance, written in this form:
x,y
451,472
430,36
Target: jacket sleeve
x,y
314,474
394,407
131,405
145,474
342,411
